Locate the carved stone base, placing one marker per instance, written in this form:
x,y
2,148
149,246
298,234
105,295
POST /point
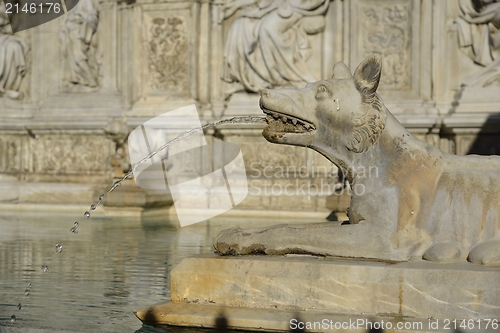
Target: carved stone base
x,y
274,320
326,286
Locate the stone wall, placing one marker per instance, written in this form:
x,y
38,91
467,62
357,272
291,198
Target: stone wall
x,y
74,88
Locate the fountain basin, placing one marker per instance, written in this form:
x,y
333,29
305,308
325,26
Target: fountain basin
x,y
265,292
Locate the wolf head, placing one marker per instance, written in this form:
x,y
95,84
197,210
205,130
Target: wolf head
x,y
343,114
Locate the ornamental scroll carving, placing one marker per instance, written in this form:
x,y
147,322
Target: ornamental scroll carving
x,y
168,55
71,154
479,37
268,44
386,29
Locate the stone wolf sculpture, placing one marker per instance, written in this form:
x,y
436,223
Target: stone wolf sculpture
x,y
424,203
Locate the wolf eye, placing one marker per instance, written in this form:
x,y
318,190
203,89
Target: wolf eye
x,y
322,91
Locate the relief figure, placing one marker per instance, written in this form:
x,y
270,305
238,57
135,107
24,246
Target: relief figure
x,y
479,36
78,42
268,44
13,51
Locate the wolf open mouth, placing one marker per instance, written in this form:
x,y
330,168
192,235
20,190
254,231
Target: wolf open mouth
x,y
284,123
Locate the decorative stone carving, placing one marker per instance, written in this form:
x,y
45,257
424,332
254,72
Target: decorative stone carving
x,y
386,29
10,154
168,55
71,154
13,51
420,202
79,44
259,159
268,44
479,36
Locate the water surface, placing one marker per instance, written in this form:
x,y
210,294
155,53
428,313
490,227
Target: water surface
x,y
109,268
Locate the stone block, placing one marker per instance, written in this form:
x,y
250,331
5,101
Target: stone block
x,y
415,289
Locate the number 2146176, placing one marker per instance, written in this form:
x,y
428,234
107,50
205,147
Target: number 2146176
x,y
33,8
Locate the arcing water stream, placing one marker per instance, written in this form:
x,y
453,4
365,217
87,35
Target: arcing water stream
x,y
232,120
93,206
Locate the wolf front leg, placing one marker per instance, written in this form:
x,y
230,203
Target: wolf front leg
x,y
361,240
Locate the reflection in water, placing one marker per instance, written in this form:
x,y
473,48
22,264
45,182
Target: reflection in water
x,y
109,268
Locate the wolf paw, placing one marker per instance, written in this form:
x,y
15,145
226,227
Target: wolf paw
x,y
236,241
442,252
487,253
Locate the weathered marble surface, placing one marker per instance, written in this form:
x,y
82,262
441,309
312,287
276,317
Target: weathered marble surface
x,y
478,25
13,62
79,46
194,315
416,289
409,199
268,44
107,60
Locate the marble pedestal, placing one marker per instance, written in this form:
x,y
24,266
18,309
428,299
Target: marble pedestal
x,y
266,292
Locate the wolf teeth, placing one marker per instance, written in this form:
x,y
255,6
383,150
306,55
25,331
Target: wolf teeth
x,y
300,124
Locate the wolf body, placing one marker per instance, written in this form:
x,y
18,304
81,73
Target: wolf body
x,y
421,203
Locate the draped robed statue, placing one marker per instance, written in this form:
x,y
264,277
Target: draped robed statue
x,y
13,51
479,36
268,44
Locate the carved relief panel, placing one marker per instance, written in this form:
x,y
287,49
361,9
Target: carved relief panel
x,y
166,56
11,153
270,44
386,30
167,50
478,26
71,154
79,46
15,61
400,31
467,57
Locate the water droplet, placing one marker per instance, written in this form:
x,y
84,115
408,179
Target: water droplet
x,y
75,228
13,319
101,198
93,207
29,285
27,292
86,214
58,248
19,306
45,268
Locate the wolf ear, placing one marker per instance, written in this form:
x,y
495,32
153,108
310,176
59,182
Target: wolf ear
x,y
367,75
340,71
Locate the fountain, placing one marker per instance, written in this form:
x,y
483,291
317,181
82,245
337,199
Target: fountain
x,y
401,259
75,228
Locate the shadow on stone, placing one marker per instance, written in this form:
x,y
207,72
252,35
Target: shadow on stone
x,y
487,140
221,323
332,217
